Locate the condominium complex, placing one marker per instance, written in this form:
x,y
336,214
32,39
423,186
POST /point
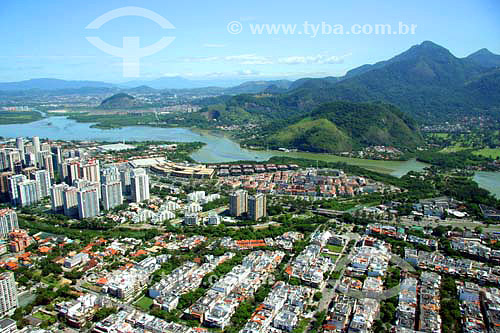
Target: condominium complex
x,y
254,206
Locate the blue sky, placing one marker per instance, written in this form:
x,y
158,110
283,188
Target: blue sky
x,y
47,38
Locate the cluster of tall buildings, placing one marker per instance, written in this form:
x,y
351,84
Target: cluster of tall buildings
x,y
253,206
92,188
29,171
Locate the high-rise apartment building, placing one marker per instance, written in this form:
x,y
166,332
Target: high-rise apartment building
x,y
42,178
57,197
8,222
29,192
111,194
70,201
139,185
36,143
8,293
88,202
257,206
13,182
238,203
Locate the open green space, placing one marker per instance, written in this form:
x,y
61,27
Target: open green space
x,y
453,149
19,117
144,303
488,152
42,316
335,248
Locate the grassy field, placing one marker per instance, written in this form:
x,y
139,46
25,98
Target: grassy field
x,y
144,303
453,149
21,117
42,316
334,248
488,152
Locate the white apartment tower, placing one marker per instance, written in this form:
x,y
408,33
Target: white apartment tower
x,y
257,206
42,177
29,192
8,222
57,197
8,293
140,185
88,202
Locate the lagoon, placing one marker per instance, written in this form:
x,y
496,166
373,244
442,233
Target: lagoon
x,y
218,148
489,181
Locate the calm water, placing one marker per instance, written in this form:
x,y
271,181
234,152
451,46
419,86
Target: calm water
x,y
489,181
218,148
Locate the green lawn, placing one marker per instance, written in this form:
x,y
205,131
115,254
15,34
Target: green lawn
x,y
487,152
144,303
335,248
42,316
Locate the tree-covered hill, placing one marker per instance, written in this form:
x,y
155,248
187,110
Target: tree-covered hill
x,y
344,126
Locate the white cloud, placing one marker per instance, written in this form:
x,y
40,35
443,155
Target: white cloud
x,y
250,59
320,59
248,72
254,59
242,59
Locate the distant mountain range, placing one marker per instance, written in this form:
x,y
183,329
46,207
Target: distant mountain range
x,y
426,81
413,73
52,84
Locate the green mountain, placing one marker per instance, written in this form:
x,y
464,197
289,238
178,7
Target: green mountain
x,y
485,58
344,126
255,87
426,81
118,101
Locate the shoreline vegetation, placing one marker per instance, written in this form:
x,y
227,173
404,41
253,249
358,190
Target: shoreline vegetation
x,y
19,117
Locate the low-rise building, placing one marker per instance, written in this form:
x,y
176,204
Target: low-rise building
x,y
76,260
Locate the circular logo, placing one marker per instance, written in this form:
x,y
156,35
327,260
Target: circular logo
x,y
234,27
